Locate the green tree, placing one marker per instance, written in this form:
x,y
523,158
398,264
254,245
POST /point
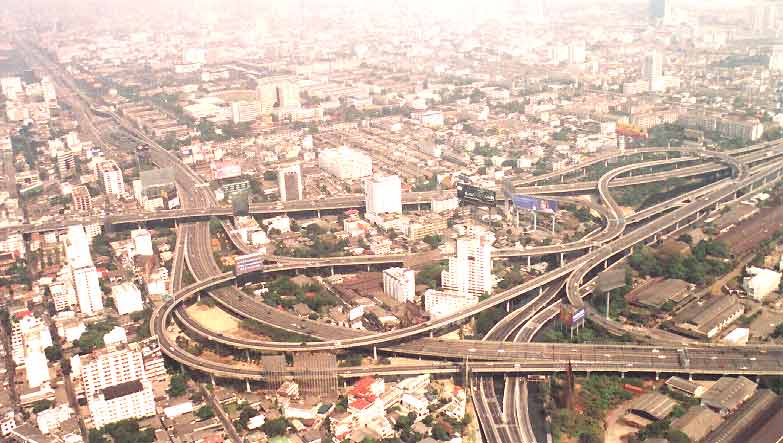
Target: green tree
x,y
42,405
178,385
53,353
275,427
205,412
439,432
675,436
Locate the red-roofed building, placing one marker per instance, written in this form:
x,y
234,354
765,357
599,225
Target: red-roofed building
x,y
368,386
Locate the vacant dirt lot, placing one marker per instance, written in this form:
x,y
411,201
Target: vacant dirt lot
x,y
213,318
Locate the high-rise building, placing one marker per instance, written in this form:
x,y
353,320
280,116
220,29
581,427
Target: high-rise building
x,y
111,366
142,242
242,111
266,96
88,290
80,196
764,16
383,194
129,400
66,165
115,385
77,247
289,182
127,298
660,11
470,271
345,163
399,283
652,72
288,95
36,368
110,177
577,53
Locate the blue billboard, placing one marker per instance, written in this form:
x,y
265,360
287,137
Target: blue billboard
x,y
534,204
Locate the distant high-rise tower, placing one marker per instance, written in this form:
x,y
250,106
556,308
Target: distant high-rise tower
x,y
763,16
652,72
289,182
660,11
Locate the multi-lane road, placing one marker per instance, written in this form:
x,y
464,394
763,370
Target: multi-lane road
x,y
490,356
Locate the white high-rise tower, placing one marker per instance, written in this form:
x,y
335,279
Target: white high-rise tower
x,y
470,272
652,72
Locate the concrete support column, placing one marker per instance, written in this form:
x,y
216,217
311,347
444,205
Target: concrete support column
x,y
622,375
528,263
318,211
247,385
331,268
540,290
375,353
657,376
212,379
562,258
508,306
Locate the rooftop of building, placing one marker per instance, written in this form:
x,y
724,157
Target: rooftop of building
x,y
728,393
122,389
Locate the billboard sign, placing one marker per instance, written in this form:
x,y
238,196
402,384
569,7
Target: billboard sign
x,y
535,204
611,279
226,169
475,194
579,315
248,263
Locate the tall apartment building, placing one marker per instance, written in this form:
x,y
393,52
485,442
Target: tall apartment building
x,y
764,15
400,283
80,196
288,95
242,111
652,72
119,381
345,163
66,164
83,273
88,290
129,400
266,96
110,176
289,182
470,271
383,194
110,366
277,92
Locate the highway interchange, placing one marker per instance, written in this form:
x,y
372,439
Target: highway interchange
x,y
507,348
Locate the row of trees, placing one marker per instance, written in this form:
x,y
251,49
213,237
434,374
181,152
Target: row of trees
x,y
699,268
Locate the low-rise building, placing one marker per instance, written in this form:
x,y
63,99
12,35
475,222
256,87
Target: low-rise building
x,y
707,318
442,304
760,282
727,394
697,422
